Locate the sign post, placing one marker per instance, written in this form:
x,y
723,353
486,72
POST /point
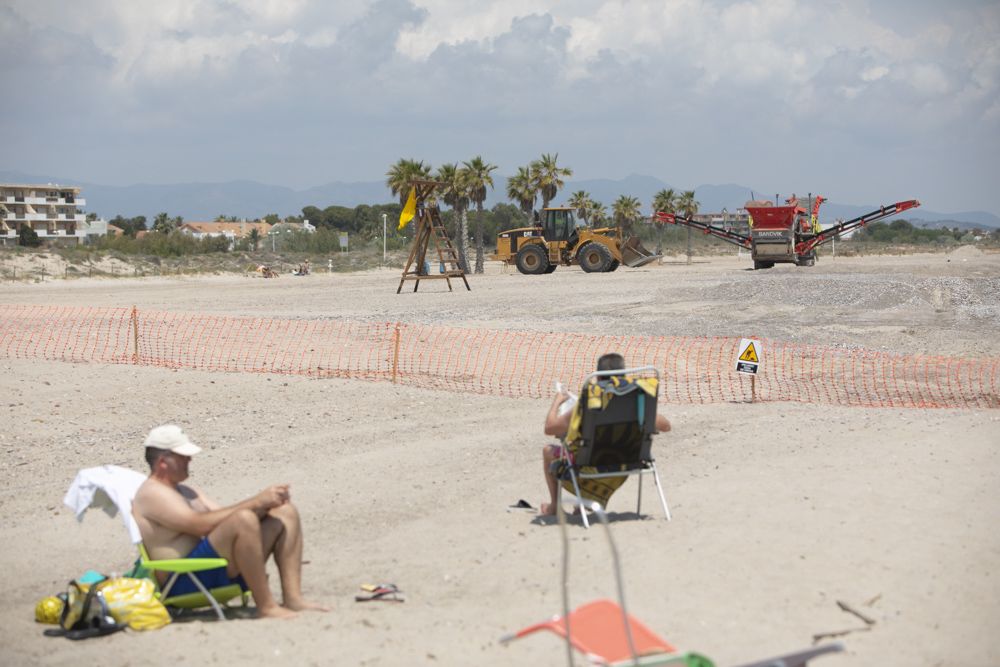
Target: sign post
x,y
748,360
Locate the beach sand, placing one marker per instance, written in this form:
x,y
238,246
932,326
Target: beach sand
x,y
780,510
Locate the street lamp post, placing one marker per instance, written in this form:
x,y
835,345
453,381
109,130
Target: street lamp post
x,y
384,216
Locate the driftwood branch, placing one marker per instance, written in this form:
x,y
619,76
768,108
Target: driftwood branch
x,y
869,622
851,610
817,638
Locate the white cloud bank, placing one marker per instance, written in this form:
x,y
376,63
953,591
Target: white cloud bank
x,y
871,99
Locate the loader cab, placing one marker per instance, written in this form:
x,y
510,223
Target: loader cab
x,y
558,224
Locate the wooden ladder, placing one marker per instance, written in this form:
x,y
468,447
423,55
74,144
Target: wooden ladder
x,y
430,227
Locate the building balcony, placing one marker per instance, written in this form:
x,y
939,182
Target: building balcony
x,y
60,234
41,217
44,201
47,217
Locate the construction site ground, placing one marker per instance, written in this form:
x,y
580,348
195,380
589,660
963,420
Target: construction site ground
x,y
780,510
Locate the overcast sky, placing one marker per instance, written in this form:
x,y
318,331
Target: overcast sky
x,y
861,100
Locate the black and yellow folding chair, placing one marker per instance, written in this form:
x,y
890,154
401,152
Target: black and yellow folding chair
x,y
610,437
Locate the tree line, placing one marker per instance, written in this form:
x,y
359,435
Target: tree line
x,y
904,232
463,189
465,185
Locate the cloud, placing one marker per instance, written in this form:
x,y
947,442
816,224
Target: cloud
x,y
339,90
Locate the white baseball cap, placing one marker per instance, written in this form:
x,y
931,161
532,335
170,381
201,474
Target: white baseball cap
x,y
171,438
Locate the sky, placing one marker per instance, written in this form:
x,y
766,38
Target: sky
x,y
862,100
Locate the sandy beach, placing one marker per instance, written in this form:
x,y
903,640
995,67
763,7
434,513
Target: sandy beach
x,y
780,510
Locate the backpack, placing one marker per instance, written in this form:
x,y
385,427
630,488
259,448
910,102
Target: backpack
x,y
85,613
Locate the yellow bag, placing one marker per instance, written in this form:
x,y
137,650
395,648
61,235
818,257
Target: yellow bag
x,y
134,602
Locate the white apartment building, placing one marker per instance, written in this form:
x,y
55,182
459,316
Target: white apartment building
x,y
52,211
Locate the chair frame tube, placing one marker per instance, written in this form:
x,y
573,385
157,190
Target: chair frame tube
x,y
596,508
165,592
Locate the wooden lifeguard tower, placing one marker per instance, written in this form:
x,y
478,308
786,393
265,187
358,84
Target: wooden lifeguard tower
x,y
428,226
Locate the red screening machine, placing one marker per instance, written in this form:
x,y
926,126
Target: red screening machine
x,y
785,234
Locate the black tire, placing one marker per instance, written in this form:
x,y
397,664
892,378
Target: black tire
x,y
614,265
531,260
807,261
762,265
594,258
552,267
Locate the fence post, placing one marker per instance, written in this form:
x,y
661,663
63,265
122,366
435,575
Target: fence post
x,y
135,336
395,353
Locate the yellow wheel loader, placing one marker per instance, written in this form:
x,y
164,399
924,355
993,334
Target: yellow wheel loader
x,y
557,241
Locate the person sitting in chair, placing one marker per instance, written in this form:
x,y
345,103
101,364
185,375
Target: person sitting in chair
x,y
557,423
179,521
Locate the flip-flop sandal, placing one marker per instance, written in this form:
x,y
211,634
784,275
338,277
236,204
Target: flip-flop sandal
x,y
521,504
383,592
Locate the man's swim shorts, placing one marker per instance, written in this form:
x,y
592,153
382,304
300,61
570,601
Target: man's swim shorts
x,y
215,578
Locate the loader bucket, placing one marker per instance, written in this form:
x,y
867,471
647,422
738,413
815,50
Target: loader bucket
x,y
634,254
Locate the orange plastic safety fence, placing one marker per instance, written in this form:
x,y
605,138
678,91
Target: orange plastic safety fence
x,y
505,363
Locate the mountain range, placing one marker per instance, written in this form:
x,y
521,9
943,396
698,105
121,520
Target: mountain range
x,y
251,200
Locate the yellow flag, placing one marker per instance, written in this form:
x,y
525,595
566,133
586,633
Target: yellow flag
x,y
409,210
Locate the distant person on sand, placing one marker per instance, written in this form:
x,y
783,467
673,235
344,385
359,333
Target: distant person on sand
x,y
557,423
179,521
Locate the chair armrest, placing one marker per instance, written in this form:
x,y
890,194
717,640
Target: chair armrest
x,y
185,564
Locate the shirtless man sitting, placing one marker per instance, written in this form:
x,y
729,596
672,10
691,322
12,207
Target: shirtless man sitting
x,y
179,521
557,423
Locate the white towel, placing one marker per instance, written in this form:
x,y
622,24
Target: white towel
x,y
110,488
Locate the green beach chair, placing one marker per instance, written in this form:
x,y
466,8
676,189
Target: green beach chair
x,y
112,488
190,567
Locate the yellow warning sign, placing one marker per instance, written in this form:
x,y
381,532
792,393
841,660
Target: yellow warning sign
x,y
750,354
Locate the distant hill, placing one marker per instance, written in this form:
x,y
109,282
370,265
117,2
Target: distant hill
x,y
249,199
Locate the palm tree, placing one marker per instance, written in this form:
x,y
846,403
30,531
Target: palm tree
x,y
163,223
687,206
626,211
455,193
401,175
522,190
665,201
598,212
583,204
478,174
548,176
